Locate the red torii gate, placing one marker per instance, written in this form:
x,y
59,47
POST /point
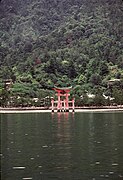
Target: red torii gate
x,y
62,105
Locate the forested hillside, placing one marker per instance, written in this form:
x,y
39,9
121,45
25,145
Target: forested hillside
x,y
61,42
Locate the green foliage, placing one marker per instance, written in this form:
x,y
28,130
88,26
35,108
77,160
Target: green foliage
x,y
99,100
47,43
95,79
4,97
118,96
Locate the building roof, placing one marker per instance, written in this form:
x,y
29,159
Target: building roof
x,y
114,80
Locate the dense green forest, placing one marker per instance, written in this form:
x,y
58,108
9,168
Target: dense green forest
x,y
76,43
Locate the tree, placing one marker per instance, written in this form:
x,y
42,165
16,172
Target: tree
x,y
118,96
4,97
99,100
103,68
95,79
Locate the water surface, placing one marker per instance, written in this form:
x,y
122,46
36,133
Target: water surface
x,y
65,146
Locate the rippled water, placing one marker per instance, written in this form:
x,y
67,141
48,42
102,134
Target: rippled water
x,y
65,146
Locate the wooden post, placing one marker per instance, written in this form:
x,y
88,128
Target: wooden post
x,y
52,102
64,105
73,105
59,102
67,104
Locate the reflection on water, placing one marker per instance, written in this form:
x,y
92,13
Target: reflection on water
x,y
68,146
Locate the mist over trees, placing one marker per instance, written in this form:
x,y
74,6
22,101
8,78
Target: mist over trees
x,y
61,42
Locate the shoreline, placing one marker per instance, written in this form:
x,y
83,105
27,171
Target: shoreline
x,y
45,109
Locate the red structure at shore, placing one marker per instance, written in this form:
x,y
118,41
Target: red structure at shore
x,y
63,103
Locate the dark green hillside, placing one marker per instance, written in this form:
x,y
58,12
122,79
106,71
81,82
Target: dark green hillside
x,y
61,42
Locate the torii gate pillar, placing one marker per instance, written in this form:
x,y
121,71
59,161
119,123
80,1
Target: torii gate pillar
x,y
67,100
59,101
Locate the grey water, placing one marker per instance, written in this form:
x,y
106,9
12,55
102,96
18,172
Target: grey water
x,y
63,146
